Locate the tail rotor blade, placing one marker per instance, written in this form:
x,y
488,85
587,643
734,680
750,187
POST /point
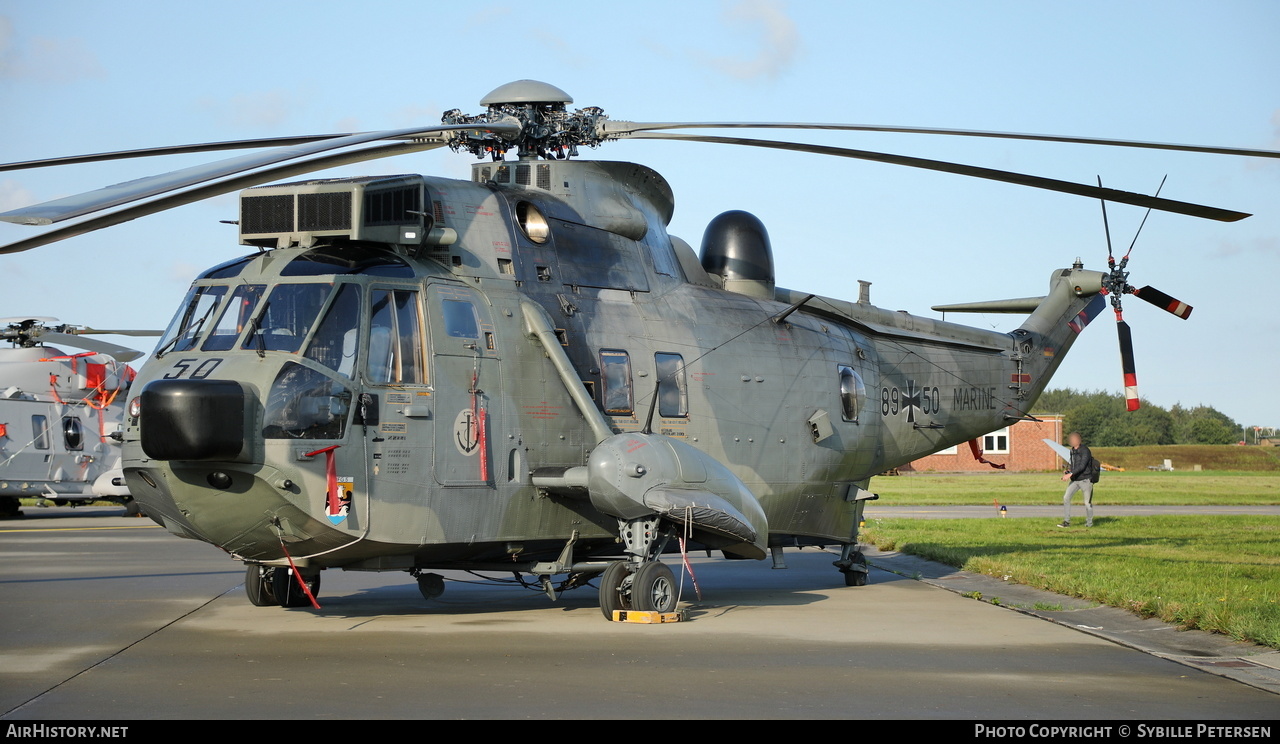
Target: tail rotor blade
x,y
1106,226
1126,363
1164,301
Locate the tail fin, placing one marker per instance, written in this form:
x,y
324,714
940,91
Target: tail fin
x,y
1074,299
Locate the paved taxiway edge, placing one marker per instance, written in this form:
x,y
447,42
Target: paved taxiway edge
x,y
1248,663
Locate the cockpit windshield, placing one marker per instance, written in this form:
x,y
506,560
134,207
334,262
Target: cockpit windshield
x,y
287,315
235,316
192,318
338,335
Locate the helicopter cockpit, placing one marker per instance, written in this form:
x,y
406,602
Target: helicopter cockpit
x,y
317,305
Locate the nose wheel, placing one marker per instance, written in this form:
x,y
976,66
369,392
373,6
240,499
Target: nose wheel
x,y
611,594
649,588
653,588
277,587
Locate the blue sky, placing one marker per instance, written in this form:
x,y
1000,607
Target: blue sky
x,y
88,76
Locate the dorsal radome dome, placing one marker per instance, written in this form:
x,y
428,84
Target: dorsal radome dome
x,y
525,91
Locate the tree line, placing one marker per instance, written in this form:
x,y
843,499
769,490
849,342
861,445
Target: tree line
x,y
1103,420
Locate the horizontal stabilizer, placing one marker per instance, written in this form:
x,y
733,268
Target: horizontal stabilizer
x,y
1019,305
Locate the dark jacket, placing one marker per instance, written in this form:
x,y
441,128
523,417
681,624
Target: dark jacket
x,y
1081,464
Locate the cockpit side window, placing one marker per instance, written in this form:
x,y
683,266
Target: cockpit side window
x,y
460,319
338,336
287,315
395,338
184,330
615,374
236,313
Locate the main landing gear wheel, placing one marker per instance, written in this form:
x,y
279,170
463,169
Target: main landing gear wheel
x,y
430,585
653,589
611,597
257,584
856,574
10,507
855,578
286,589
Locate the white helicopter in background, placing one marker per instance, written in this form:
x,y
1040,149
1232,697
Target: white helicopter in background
x,y
61,414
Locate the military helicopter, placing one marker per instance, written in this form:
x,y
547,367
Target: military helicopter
x,y
525,373
61,415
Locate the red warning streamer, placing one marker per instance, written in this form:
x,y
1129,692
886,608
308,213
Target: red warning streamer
x,y
333,502
294,571
977,455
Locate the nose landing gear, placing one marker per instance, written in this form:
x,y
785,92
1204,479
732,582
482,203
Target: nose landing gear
x,y
276,587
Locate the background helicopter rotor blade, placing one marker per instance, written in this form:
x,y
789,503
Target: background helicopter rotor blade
x,y
207,190
121,353
116,332
147,152
1021,179
628,128
142,188
1127,364
1164,301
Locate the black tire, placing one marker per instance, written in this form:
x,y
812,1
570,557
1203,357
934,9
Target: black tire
x,y
654,588
611,596
10,506
132,508
854,578
257,584
431,586
286,589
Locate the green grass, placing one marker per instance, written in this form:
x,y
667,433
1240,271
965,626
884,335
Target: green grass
x,y
1215,573
1031,489
1187,456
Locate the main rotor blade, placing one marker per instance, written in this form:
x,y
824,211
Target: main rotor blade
x,y
147,152
142,188
1021,179
1126,364
215,189
1164,301
121,353
627,128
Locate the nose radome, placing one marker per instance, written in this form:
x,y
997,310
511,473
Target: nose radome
x,y
192,419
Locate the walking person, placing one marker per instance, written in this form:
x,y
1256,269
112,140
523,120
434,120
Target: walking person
x,y
1080,476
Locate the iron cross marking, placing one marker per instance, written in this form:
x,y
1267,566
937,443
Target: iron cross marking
x,y
911,401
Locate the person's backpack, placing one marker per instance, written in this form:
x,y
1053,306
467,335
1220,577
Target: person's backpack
x,y
1095,469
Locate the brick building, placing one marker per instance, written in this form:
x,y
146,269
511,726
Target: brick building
x,y
1019,447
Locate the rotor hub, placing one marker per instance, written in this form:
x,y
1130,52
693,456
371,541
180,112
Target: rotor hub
x,y
547,128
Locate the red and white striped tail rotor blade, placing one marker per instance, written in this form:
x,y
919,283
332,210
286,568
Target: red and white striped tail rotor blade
x,y
1126,363
1163,301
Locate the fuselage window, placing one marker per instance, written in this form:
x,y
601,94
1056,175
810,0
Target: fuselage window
x,y
852,393
235,316
615,374
286,317
72,433
40,432
673,393
338,336
395,338
460,319
191,319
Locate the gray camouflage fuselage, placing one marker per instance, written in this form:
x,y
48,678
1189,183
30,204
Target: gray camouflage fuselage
x,y
761,398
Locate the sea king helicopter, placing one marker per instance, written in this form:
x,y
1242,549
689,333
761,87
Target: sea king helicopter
x,y
62,415
525,373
